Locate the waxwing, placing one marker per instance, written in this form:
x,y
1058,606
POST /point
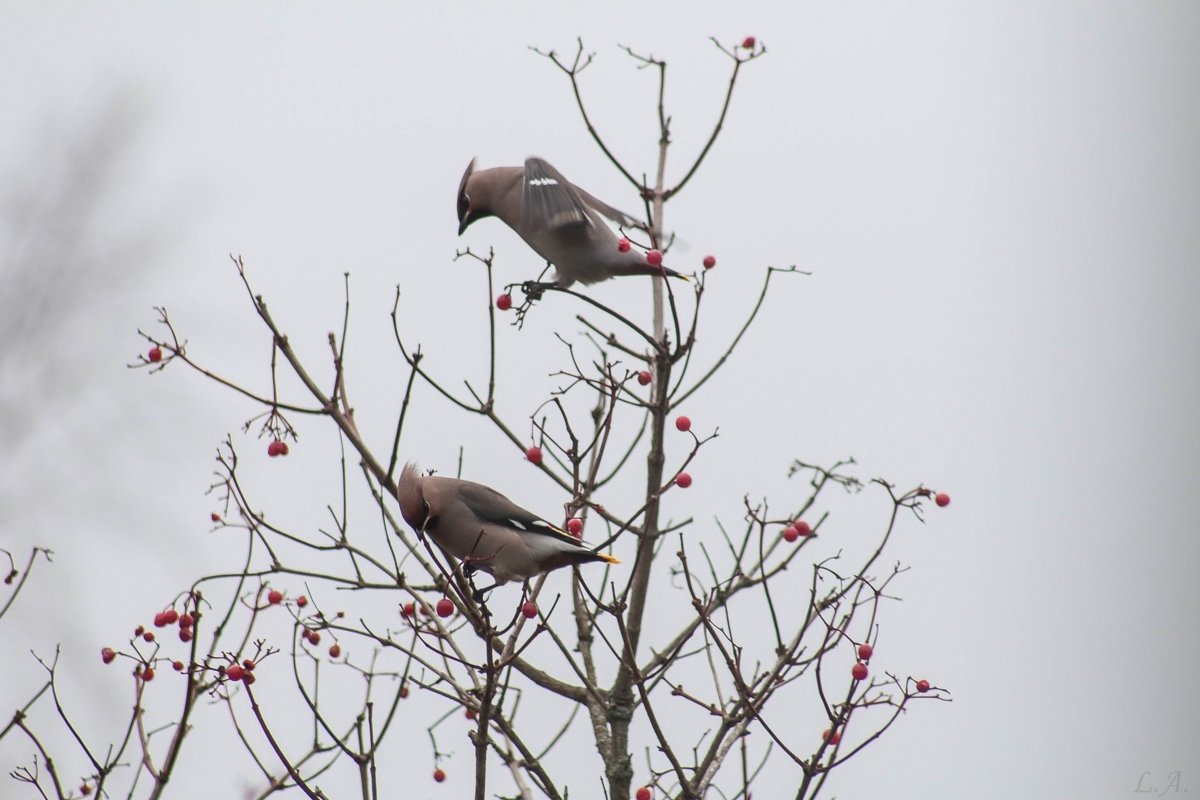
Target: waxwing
x,y
561,222
485,530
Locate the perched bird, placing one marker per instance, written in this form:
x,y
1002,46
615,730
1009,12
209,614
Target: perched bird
x,y
485,530
561,222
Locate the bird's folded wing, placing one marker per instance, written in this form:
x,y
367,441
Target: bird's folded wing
x,y
490,506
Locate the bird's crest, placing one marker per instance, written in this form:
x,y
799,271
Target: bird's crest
x,y
410,497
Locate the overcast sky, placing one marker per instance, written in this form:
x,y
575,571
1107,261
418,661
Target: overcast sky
x,y
999,203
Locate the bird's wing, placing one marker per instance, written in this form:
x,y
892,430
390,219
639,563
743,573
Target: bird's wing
x,y
616,215
556,201
551,201
491,506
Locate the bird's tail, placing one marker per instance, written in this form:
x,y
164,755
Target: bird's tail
x,y
580,556
638,266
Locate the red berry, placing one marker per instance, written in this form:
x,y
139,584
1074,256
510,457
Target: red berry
x,y
408,609
445,607
148,674
85,790
424,609
654,258
859,671
623,245
942,499
185,634
178,666
235,672
139,630
274,597
802,527
171,616
283,448
186,620
248,678
575,527
314,637
504,302
534,454
922,685
644,377
301,601
683,480
643,793
864,651
160,619
470,714
404,691
215,517
529,609
790,534
148,636
248,663
107,654
710,262
833,737
335,650
683,424
155,354
749,42
439,775
273,449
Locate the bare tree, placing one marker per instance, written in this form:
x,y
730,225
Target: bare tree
x,y
58,251
523,674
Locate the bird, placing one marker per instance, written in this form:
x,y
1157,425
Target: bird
x,y
485,530
561,222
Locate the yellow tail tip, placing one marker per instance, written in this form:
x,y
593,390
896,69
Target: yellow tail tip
x,y
608,558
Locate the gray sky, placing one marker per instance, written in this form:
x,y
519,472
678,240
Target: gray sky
x,y
999,203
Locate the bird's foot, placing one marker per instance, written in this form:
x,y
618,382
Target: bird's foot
x,y
477,594
480,597
533,291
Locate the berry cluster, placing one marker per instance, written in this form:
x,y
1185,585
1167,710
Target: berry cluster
x,y
444,608
243,672
796,530
162,619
